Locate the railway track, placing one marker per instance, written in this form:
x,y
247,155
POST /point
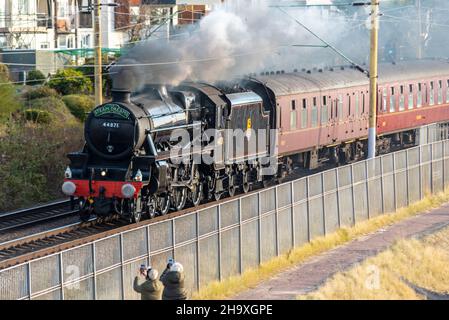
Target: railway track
x,y
37,214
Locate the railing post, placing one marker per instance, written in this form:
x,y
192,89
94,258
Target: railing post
x,y
173,237
61,274
240,236
259,220
382,187
197,250
394,182
220,273
29,280
276,224
323,203
338,196
353,195
406,177
367,163
420,172
94,270
309,236
292,210
122,267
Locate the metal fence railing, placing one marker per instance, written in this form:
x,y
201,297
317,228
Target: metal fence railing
x,y
229,238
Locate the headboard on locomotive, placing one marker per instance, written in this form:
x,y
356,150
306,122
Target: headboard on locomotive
x,y
247,137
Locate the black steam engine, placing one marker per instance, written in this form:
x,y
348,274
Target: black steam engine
x,y
145,153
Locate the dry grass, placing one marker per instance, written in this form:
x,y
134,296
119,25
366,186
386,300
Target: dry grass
x,y
422,262
250,278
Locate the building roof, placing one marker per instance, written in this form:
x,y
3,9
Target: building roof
x,y
303,82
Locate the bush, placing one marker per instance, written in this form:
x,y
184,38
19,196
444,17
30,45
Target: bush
x,y
9,101
33,160
38,116
40,92
57,109
35,77
70,81
79,105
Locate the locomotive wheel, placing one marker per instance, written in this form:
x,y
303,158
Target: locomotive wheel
x,y
245,185
151,207
231,185
196,193
178,199
163,204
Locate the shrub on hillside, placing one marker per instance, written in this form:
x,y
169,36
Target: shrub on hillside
x,y
39,92
57,109
9,101
37,116
35,77
70,81
33,160
79,105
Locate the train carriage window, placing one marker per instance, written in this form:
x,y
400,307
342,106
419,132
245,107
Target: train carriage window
x,y
440,92
324,111
447,92
419,96
304,114
392,100
401,99
349,104
356,109
314,114
432,94
384,99
340,107
363,102
293,116
410,96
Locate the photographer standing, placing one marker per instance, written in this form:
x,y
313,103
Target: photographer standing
x,y
173,280
151,289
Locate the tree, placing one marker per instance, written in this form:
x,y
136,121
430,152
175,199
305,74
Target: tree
x,y
70,81
35,77
8,97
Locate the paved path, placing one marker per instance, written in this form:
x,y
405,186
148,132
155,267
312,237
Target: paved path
x,y
309,275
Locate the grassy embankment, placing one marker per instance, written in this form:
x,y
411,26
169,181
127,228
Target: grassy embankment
x,y
423,263
250,278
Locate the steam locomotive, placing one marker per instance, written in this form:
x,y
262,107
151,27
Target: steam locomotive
x,y
134,163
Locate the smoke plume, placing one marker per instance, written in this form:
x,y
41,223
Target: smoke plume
x,y
241,37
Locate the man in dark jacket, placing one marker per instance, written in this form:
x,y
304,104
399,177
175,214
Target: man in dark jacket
x,y
151,289
173,281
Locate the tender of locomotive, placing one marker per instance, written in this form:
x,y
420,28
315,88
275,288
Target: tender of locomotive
x,y
127,164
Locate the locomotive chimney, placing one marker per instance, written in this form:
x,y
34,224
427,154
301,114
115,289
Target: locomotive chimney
x,y
121,95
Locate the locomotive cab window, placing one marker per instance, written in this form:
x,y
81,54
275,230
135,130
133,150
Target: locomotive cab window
x,y
392,100
401,99
410,96
304,114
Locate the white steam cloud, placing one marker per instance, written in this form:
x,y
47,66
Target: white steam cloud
x,y
242,37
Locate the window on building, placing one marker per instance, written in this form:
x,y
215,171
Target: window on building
x,y
304,114
384,99
432,94
392,100
23,7
440,92
401,99
62,41
63,8
2,16
410,96
419,96
45,45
